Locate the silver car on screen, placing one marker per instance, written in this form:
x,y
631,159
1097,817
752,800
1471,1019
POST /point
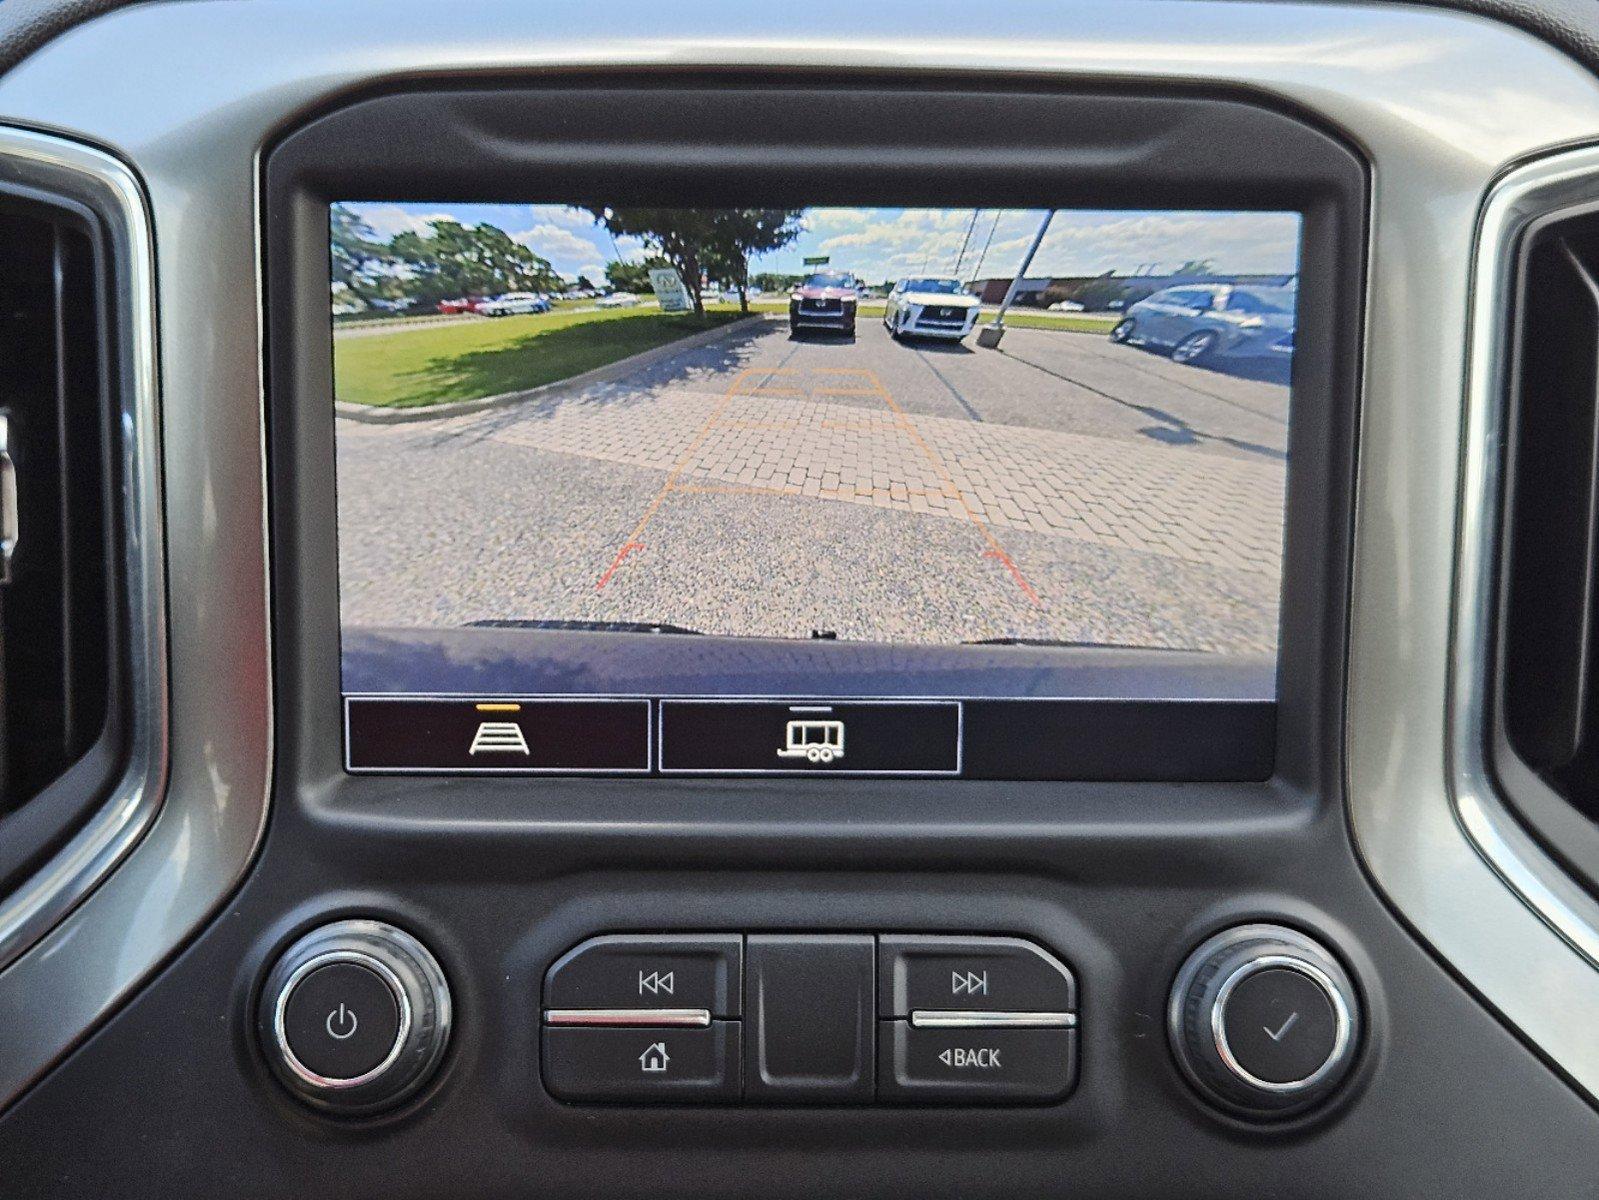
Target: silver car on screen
x,y
1200,322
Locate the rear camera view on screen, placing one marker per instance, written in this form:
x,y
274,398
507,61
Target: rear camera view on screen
x,y
837,451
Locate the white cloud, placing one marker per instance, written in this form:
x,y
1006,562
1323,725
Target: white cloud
x,y
562,247
386,220
887,244
576,219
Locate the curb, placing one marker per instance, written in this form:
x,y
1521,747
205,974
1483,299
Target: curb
x,y
370,415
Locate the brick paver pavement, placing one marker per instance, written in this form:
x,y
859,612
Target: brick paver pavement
x,y
786,431
1065,489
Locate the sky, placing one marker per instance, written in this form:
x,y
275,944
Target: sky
x,y
893,243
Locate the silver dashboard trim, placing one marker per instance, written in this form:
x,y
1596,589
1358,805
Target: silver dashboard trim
x,y
1442,103
59,167
1561,186
1426,814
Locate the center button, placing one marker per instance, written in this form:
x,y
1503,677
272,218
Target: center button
x,y
341,1020
1278,1025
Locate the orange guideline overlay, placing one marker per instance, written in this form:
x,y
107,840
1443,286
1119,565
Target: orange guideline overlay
x,y
902,420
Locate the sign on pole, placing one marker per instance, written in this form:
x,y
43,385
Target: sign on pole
x,y
820,260
669,290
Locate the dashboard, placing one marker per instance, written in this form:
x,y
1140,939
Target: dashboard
x,y
815,601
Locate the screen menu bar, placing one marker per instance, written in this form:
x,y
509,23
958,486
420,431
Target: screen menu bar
x,y
973,739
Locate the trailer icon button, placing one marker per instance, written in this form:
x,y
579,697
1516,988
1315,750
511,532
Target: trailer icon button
x,y
819,742
809,736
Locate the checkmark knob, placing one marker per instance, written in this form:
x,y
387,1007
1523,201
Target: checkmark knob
x,y
1265,1021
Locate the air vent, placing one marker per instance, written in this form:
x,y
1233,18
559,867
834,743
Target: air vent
x,y
61,745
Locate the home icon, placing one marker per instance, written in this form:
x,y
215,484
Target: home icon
x,y
654,1059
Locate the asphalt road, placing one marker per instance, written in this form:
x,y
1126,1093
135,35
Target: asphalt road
x,y
1061,488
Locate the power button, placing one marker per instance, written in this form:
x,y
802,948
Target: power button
x,y
354,1017
342,1020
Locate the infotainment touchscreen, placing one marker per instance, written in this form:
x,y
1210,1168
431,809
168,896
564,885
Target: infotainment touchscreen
x,y
789,490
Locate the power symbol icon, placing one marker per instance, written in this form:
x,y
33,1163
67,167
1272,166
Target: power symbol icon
x,y
341,1023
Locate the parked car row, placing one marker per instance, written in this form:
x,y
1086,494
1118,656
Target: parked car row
x,y
497,306
516,303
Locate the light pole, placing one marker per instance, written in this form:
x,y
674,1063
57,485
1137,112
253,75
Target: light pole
x,y
989,336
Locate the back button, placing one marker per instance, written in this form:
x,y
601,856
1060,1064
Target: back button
x,y
975,1066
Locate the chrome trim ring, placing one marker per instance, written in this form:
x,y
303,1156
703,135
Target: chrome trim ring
x,y
1343,1026
280,1009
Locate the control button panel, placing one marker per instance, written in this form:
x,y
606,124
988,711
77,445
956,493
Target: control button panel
x,y
810,1019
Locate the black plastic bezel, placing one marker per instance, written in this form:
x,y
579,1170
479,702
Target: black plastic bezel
x,y
686,140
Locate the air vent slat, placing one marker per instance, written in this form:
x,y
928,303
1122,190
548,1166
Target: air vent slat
x,y
60,635
1554,516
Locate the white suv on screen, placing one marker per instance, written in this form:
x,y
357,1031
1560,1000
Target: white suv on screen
x,y
930,307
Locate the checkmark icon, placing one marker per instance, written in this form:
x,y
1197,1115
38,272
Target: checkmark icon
x,y
1281,1033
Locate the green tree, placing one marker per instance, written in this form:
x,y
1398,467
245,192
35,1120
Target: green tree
x,y
701,241
583,283
632,277
686,237
451,260
738,233
1196,266
359,258
772,281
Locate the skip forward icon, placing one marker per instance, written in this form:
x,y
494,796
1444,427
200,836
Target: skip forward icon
x,y
968,983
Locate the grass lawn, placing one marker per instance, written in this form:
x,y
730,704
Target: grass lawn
x,y
414,368
1070,322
